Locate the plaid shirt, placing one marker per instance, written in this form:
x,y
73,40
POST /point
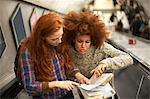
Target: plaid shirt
x,y
33,86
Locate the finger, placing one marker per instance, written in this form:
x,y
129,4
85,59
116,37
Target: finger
x,y
103,69
100,71
75,84
82,82
70,87
94,76
67,88
92,71
87,81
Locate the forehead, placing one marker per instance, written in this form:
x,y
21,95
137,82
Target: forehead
x,y
83,36
57,33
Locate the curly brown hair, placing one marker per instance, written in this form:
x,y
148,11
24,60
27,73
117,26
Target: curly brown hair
x,y
84,23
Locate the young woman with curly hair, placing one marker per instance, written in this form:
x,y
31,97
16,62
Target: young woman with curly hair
x,y
85,35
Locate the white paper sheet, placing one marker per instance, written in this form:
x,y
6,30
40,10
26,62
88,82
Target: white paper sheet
x,y
102,80
106,90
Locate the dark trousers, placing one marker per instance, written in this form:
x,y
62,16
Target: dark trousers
x,y
69,95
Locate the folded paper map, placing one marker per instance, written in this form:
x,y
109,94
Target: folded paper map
x,y
101,80
99,88
100,92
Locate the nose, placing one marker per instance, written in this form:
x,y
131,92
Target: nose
x,y
59,40
83,45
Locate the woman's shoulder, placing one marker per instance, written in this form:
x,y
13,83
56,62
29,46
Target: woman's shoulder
x,y
23,49
107,46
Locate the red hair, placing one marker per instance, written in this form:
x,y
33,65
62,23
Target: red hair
x,y
39,48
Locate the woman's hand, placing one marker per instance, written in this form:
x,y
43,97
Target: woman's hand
x,y
98,70
82,78
68,85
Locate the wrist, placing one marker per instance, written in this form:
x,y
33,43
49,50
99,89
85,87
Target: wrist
x,y
79,76
102,64
53,84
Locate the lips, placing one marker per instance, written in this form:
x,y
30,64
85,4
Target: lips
x,y
82,50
